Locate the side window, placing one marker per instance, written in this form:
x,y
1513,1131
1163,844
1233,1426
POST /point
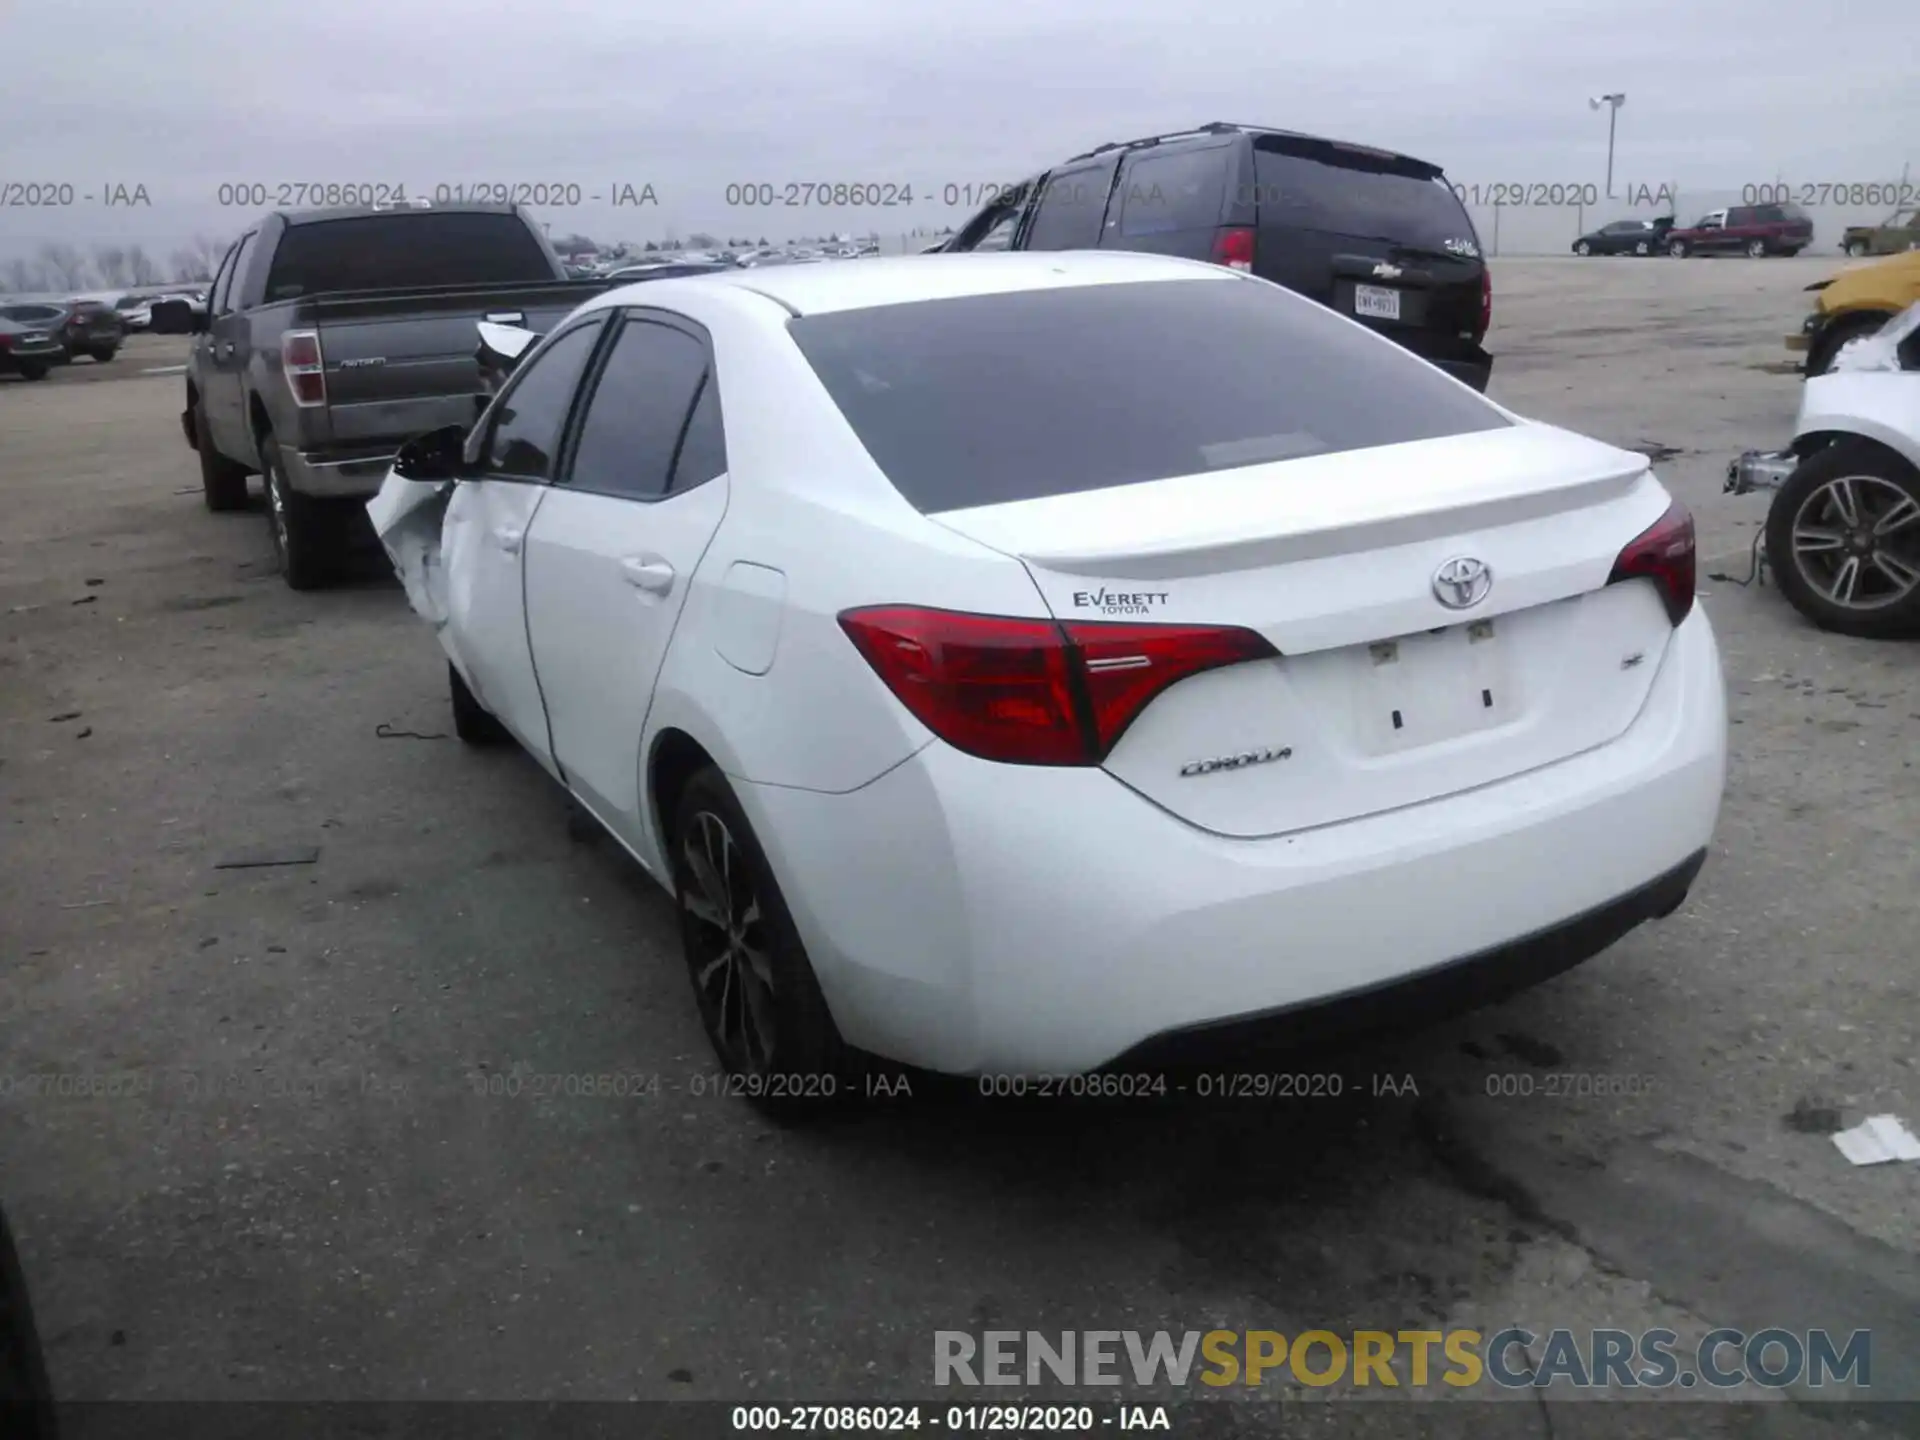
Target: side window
x,y
530,417
242,253
222,278
638,412
703,450
1164,193
1000,237
1742,215
1072,205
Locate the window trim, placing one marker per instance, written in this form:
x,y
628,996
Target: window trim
x,y
590,384
222,281
241,253
480,439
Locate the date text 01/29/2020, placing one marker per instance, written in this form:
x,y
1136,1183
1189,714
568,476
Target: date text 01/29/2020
x,y
957,1419
330,194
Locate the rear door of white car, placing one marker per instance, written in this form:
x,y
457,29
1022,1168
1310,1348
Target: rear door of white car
x,y
613,549
484,535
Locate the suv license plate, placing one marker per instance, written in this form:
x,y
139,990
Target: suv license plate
x,y
1377,301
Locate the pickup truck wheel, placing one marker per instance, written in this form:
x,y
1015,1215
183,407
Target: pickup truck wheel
x,y
472,722
1856,248
1843,536
1757,249
223,484
32,370
1678,249
300,525
1838,336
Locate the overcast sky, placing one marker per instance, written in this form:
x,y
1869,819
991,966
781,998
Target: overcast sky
x,y
691,95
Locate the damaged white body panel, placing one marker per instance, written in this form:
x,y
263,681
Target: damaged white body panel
x,y
408,517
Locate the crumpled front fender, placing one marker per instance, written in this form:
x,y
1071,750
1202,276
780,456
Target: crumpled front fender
x,y
408,515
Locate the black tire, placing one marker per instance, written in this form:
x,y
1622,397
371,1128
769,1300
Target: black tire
x,y
103,353
1642,248
786,1054
1858,249
304,528
1801,506
1756,249
1582,248
223,483
1679,249
26,1397
33,370
472,721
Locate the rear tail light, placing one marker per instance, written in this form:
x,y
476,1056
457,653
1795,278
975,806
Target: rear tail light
x,y
1663,553
303,366
1233,248
1035,692
1486,300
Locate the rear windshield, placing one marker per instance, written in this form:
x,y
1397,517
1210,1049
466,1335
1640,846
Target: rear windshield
x,y
996,398
28,314
1352,195
403,250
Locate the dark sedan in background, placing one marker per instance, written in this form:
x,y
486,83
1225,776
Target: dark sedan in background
x,y
29,346
1626,237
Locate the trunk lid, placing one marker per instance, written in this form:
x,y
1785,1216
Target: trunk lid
x,y
1383,696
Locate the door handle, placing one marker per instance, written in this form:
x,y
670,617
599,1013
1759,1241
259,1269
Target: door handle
x,y
509,539
648,572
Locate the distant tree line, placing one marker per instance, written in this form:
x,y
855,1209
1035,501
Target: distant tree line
x,y
59,266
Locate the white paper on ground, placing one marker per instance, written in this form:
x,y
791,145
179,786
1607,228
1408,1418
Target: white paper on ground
x,y
1878,1139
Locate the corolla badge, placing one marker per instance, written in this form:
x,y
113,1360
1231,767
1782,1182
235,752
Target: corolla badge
x,y
1237,762
1462,582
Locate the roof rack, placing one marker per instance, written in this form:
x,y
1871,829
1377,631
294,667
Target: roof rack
x,y
1212,127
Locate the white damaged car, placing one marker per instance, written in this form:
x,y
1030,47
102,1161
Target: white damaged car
x,y
1042,663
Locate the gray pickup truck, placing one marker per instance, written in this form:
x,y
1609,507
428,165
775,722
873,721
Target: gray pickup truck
x,y
330,337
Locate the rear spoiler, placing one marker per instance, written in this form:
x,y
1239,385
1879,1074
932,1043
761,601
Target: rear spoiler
x,y
1354,157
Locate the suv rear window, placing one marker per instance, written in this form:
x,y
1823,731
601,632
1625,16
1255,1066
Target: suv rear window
x,y
1352,193
995,398
391,252
1184,190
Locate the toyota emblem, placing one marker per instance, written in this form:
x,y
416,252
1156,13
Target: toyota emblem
x,y
1462,582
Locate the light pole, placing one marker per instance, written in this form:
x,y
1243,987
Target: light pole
x,y
1613,104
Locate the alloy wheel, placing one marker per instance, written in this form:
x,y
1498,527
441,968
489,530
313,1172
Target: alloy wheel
x,y
1641,248
1856,542
728,945
1757,248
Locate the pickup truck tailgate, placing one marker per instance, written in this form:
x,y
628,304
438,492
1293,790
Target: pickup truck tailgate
x,y
401,363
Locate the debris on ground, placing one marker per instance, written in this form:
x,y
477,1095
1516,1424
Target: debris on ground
x,y
262,857
1878,1139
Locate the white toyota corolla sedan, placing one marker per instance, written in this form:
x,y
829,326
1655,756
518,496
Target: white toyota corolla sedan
x,y
1042,662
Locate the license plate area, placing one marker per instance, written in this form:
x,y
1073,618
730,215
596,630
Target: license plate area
x,y
1433,687
1376,302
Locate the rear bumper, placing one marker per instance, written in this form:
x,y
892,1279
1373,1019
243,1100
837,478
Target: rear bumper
x,y
1429,996
326,475
16,359
981,918
1470,372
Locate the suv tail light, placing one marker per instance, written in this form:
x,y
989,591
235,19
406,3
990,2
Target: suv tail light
x,y
1486,300
301,362
1233,248
1035,692
1664,554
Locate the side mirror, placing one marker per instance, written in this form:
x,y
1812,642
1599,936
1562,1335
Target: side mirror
x,y
434,456
176,317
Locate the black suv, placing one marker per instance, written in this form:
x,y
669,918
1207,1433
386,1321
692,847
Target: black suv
x,y
1377,236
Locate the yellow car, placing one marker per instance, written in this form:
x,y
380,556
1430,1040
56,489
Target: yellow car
x,y
1853,305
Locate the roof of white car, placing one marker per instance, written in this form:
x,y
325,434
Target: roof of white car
x,y
905,279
